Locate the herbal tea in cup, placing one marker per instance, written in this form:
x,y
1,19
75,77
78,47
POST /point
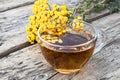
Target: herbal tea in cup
x,y
69,51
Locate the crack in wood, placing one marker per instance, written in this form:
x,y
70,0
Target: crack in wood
x,y
20,63
20,5
3,73
52,76
104,78
100,16
112,42
39,75
15,48
115,25
38,63
22,67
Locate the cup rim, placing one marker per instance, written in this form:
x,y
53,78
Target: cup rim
x,y
71,46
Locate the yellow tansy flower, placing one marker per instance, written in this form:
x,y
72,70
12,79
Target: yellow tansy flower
x,y
52,20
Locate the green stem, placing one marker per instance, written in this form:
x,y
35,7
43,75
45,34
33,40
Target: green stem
x,y
90,9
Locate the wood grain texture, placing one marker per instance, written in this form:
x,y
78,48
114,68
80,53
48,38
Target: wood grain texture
x,y
12,27
11,4
29,64
25,64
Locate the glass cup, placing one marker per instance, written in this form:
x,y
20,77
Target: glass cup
x,y
67,59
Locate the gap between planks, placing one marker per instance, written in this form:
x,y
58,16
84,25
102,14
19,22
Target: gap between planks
x,y
17,6
13,49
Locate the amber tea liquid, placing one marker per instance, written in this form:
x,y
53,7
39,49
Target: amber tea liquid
x,y
72,59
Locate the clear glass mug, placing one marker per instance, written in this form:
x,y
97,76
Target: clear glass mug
x,y
69,59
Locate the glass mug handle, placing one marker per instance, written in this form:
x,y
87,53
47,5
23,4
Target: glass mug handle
x,y
101,40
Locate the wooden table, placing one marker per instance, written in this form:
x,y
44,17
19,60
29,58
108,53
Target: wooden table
x,y
21,61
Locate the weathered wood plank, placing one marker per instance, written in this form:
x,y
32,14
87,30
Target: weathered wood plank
x,y
94,16
11,4
105,64
26,64
12,27
29,64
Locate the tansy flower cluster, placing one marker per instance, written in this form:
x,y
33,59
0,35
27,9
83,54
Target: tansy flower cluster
x,y
54,18
77,25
